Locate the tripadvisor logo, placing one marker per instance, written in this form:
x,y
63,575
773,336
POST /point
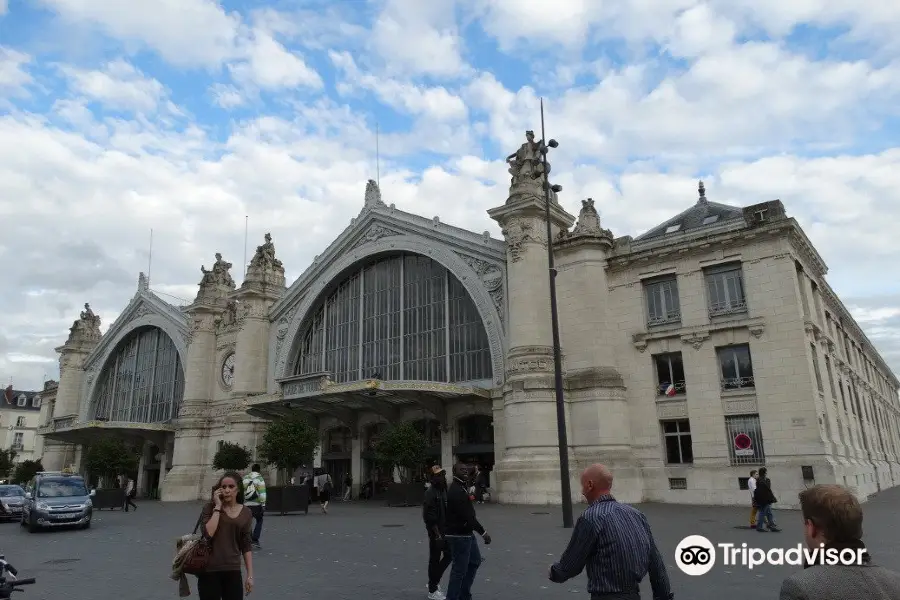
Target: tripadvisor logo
x,y
696,555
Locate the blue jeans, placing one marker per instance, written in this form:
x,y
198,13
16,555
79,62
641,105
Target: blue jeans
x,y
466,559
257,512
764,516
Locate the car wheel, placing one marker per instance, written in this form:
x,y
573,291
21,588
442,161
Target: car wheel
x,y
86,525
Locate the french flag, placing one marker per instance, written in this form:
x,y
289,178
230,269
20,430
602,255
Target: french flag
x,y
670,391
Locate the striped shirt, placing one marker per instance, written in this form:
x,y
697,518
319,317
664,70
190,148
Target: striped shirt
x,y
614,542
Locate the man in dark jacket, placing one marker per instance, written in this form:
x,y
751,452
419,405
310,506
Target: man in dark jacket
x,y
459,533
764,499
434,511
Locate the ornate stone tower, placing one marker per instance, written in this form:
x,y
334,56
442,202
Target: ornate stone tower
x,y
529,469
262,287
598,413
190,460
84,335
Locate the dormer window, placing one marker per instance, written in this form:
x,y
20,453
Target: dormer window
x,y
23,400
673,228
710,219
36,402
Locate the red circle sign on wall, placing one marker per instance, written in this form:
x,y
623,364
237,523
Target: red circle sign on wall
x,y
742,441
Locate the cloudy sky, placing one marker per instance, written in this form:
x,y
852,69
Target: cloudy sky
x,y
186,115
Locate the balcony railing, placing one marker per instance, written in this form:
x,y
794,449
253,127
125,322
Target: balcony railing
x,y
718,309
738,383
667,319
680,388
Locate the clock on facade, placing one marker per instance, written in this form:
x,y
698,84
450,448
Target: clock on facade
x,y
228,370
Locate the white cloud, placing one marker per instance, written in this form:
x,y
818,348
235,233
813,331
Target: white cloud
x,y
419,38
13,76
4,7
118,86
270,66
184,32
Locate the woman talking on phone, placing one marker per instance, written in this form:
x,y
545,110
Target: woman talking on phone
x,y
226,523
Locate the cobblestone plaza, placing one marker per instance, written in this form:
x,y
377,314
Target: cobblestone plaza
x,y
370,551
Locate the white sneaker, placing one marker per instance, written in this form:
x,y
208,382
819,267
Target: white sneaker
x,y
437,595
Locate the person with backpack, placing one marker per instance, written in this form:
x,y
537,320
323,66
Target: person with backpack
x,y
255,500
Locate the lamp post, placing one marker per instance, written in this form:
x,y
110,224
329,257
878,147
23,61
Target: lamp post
x,y
565,485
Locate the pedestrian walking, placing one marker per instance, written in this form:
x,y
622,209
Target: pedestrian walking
x,y
832,520
751,485
461,525
255,500
764,499
325,486
615,543
225,523
130,493
434,512
348,487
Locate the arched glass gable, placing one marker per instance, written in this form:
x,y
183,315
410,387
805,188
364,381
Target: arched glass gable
x,y
402,317
142,382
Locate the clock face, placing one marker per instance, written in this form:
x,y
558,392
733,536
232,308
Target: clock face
x,y
228,370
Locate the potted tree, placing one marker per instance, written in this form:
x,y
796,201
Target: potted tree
x,y
107,458
404,448
287,444
231,457
7,464
26,470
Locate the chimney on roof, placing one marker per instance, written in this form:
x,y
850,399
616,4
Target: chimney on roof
x,y
702,190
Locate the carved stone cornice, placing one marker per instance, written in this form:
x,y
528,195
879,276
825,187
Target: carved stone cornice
x,y
375,232
587,230
520,232
527,360
492,279
804,248
813,329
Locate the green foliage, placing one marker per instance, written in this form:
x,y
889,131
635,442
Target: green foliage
x,y
109,457
231,457
402,446
27,469
6,463
288,443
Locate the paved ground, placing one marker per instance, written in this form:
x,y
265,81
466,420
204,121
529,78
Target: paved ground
x,y
368,551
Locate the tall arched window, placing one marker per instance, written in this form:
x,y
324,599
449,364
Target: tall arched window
x,y
403,317
142,381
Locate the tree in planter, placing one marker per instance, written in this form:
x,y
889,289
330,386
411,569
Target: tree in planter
x,y
26,470
288,443
110,457
7,464
231,457
403,447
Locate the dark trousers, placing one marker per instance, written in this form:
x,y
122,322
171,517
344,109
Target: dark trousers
x,y
257,512
466,558
220,585
439,559
129,501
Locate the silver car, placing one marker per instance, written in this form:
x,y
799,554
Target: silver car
x,y
57,500
11,499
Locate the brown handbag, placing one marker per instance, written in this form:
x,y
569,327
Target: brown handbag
x,y
197,558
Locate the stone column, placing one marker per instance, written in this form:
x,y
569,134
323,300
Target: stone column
x,y
84,335
527,469
356,463
448,434
190,460
599,417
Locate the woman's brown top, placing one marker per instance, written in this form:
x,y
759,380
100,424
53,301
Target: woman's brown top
x,y
231,541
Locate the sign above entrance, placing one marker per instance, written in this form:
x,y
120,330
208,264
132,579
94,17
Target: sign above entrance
x,y
308,384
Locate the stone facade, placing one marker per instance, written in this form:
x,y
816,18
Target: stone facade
x,y
707,347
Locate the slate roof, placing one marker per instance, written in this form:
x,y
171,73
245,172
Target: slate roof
x,y
9,400
702,214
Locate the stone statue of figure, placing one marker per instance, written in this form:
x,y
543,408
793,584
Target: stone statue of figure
x,y
265,256
218,274
527,162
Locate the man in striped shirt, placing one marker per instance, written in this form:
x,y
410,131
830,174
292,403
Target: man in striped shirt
x,y
614,542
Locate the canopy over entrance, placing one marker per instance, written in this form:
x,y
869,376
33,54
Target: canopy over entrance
x,y
319,396
72,431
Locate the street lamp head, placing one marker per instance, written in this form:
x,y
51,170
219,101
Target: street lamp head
x,y
556,188
553,143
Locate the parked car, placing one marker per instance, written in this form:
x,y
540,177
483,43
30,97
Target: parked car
x,y
57,500
11,499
